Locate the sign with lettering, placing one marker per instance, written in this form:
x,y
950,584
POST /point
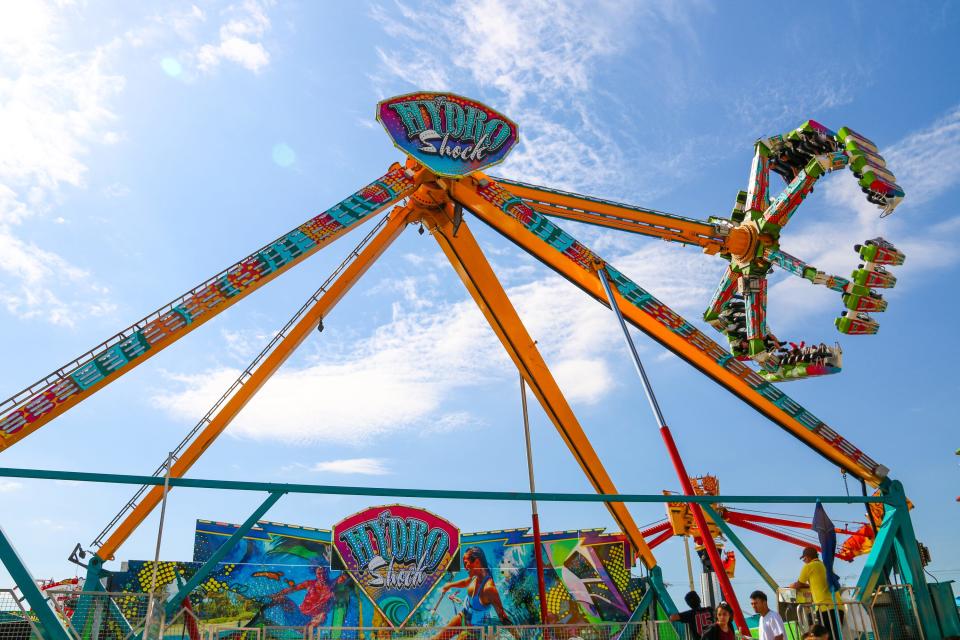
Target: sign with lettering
x,y
396,554
449,134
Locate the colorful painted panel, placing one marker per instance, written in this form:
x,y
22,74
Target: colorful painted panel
x,y
449,134
396,554
286,575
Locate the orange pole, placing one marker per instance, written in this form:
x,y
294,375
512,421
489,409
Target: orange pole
x,y
474,270
233,406
615,215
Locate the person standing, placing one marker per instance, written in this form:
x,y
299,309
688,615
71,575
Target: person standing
x,y
813,576
770,624
723,628
697,617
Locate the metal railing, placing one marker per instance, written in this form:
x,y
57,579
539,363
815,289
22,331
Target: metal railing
x,y
656,630
890,613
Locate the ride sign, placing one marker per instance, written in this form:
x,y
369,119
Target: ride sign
x,y
396,554
449,134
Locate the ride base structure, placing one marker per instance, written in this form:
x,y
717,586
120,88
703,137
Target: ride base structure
x,y
449,141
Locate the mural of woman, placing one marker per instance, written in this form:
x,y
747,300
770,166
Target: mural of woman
x,y
318,599
482,596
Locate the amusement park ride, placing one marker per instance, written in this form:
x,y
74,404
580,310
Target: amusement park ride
x,y
448,141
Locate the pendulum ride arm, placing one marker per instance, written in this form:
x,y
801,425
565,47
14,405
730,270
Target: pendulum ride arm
x,y
511,217
616,215
471,265
26,411
256,376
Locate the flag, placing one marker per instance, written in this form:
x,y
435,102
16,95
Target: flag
x,y
823,525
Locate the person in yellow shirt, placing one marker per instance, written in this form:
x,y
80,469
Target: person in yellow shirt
x,y
813,576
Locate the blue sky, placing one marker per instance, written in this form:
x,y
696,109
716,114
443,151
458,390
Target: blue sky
x,y
145,148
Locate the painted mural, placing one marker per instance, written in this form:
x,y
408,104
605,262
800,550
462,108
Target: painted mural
x,y
289,575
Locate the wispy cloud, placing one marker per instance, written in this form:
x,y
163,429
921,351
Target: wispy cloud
x,y
9,486
239,39
774,106
431,352
354,466
196,42
54,104
539,62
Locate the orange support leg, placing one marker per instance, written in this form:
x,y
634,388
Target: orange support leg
x,y
471,265
296,336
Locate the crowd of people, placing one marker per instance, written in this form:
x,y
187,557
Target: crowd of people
x,y
705,623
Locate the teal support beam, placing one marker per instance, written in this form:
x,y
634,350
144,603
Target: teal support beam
x,y
49,623
642,606
660,589
742,548
175,602
95,609
911,566
878,559
448,494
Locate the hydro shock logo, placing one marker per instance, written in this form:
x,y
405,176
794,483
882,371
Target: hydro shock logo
x,y
450,134
396,554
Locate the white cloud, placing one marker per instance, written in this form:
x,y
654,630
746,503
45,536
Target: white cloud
x,y
357,466
9,486
54,104
537,62
431,353
239,39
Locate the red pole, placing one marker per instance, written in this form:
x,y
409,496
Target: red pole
x,y
786,523
698,517
538,546
541,583
708,542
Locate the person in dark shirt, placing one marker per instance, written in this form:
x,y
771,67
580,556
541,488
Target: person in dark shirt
x,y
697,618
723,629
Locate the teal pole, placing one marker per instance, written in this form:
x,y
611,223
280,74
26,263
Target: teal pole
x,y
52,629
911,566
447,494
660,590
174,603
742,548
878,559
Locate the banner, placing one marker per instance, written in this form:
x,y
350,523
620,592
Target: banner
x,y
449,134
396,554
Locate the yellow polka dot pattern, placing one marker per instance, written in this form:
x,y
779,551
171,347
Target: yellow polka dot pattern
x,y
556,596
212,585
166,573
615,567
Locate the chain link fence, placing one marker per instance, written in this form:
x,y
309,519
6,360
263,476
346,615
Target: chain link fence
x,y
17,622
890,614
